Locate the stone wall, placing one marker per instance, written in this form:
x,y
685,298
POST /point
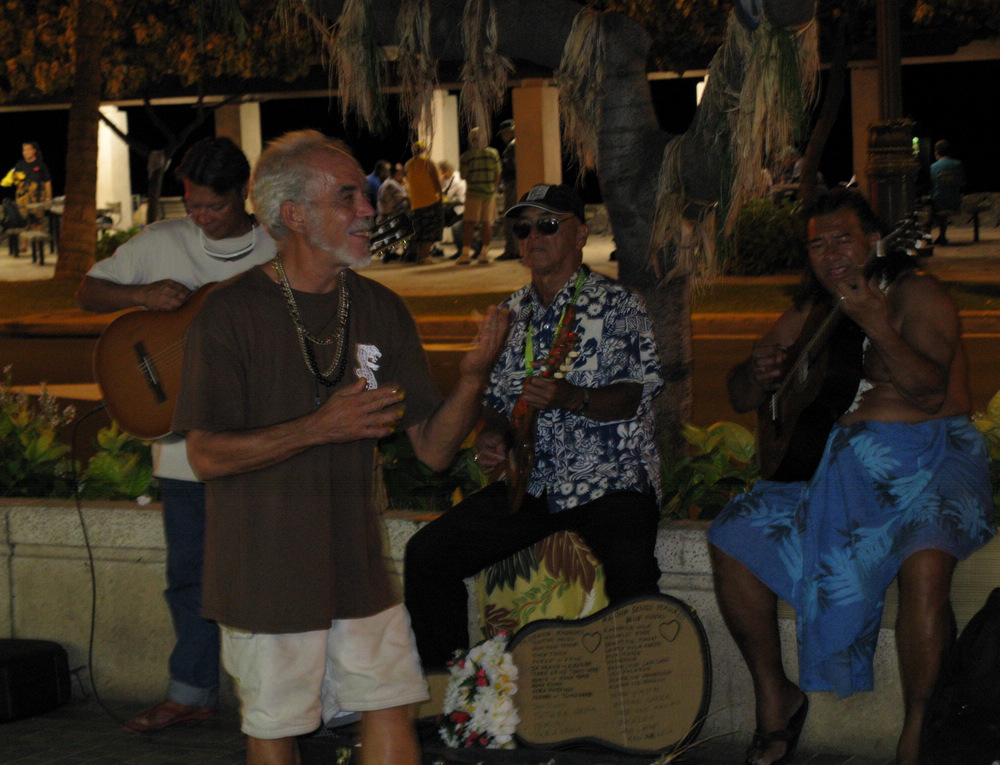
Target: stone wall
x,y
45,592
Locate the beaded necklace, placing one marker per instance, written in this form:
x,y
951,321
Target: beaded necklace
x,y
339,334
529,344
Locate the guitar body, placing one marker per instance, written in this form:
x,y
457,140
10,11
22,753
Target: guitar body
x,y
824,369
139,356
137,364
791,440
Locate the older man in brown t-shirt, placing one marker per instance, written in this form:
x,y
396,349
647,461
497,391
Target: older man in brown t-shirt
x,y
292,373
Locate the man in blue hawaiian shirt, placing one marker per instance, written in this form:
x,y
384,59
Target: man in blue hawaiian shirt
x,y
902,490
595,469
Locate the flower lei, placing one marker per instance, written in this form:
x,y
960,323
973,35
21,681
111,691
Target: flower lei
x,y
478,709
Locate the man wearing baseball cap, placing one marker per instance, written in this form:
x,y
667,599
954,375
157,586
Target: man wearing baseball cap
x,y
595,467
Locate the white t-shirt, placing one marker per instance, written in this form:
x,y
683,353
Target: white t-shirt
x,y
176,249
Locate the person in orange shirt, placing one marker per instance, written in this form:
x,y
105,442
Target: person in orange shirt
x,y
424,185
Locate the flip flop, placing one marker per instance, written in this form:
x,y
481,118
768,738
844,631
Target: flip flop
x,y
168,713
789,735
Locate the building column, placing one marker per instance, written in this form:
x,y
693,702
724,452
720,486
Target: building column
x,y
241,124
114,180
539,147
444,118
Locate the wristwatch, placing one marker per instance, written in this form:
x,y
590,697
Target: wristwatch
x,y
585,403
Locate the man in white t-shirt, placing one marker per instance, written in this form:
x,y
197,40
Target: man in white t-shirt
x,y
159,269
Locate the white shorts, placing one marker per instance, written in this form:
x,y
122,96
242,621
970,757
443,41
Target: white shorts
x,y
288,683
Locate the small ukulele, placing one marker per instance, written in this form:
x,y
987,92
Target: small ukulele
x,y
139,356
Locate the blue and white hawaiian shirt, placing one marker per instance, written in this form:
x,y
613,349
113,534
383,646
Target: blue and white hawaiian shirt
x,y
578,459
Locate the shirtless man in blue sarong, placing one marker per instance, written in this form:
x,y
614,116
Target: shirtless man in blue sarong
x,y
902,489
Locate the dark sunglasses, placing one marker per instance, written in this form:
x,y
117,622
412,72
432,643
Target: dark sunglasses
x,y
545,226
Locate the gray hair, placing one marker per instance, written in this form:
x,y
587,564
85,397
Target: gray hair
x,y
285,172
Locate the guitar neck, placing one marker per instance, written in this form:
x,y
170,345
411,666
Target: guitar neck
x,y
800,369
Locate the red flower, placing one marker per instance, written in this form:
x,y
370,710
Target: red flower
x,y
460,717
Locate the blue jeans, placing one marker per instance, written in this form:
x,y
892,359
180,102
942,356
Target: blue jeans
x,y
194,662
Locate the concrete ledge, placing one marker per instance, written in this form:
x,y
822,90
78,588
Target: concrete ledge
x,y
45,592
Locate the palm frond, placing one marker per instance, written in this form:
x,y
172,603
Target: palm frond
x,y
484,74
355,59
417,67
580,80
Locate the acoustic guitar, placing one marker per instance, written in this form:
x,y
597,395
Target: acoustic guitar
x,y
825,369
524,419
139,356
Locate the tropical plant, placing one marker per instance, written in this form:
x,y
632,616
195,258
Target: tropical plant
x,y
411,485
769,238
720,465
988,423
86,50
122,467
109,241
33,462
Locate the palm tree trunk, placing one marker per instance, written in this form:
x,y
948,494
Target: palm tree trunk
x,y
836,84
78,239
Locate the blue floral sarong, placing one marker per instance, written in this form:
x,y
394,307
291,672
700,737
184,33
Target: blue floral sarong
x,y
831,546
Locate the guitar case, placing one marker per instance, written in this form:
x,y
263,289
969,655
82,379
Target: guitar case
x,y
635,678
34,678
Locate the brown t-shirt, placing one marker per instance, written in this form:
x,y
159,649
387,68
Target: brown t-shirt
x,y
290,547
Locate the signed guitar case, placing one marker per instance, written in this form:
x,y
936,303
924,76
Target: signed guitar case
x,y
635,677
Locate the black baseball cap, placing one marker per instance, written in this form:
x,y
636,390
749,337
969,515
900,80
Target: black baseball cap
x,y
554,199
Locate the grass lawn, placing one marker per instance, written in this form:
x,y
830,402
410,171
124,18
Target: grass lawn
x,y
19,299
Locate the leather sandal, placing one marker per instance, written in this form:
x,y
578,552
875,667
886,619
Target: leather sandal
x,y
168,713
790,736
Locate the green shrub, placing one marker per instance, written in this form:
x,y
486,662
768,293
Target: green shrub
x,y
109,241
988,423
720,466
769,238
122,468
411,485
35,463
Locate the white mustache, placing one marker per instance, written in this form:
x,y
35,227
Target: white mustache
x,y
364,226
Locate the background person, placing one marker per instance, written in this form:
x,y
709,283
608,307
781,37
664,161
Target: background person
x,y
947,180
32,184
480,167
374,180
424,189
160,268
453,188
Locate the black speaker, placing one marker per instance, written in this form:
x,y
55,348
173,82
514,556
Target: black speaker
x,y
34,678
